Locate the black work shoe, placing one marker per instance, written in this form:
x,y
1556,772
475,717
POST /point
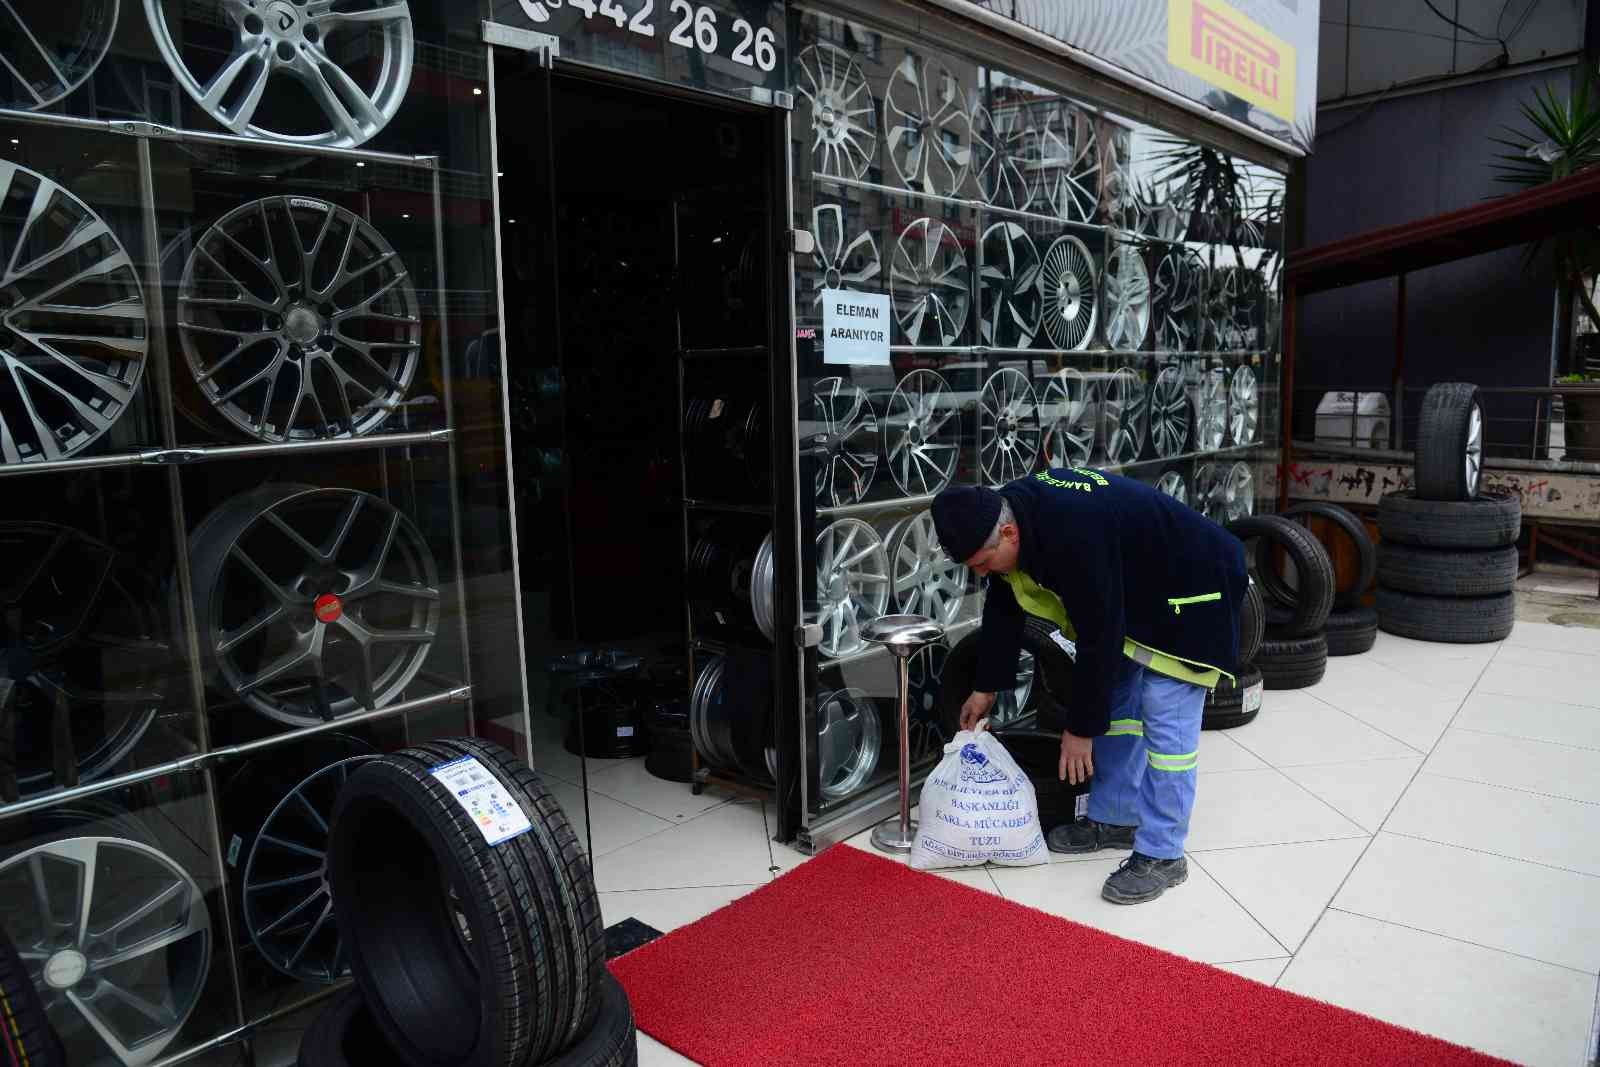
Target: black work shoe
x,y
1141,878
1086,835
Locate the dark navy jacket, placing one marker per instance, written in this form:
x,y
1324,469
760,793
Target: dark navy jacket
x,y
1128,562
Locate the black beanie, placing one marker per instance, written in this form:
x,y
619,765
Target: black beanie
x,y
965,516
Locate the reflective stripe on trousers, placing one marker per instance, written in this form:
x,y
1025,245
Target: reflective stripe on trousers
x,y
1144,766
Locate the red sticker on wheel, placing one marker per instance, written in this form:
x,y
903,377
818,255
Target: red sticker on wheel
x,y
328,608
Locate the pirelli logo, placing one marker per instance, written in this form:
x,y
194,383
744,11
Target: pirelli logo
x,y
1212,41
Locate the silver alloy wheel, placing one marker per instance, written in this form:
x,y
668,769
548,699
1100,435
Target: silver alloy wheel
x,y
1008,427
287,904
116,937
290,39
1238,492
844,139
762,589
852,584
1005,150
32,52
928,132
73,334
1069,162
1244,405
1171,483
1169,413
1174,294
1121,206
1070,414
924,581
930,284
845,429
699,702
849,741
1126,412
306,597
296,339
1009,296
1474,456
1222,296
841,265
923,433
1127,284
1070,291
1012,704
1211,410
1210,493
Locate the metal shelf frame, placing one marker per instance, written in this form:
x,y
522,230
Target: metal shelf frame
x,y
186,455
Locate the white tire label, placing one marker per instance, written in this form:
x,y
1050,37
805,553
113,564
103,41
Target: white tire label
x,y
1252,698
1066,644
487,802
1080,808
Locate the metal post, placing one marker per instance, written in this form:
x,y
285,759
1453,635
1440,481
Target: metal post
x,y
905,636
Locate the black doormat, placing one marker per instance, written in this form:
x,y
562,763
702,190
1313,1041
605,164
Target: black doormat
x,y
627,935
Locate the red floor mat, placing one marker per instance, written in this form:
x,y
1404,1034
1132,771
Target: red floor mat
x,y
852,959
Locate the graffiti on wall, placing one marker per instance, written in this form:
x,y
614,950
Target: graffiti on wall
x,y
1572,497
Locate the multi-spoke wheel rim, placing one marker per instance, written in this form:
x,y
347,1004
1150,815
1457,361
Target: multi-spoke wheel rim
x,y
313,598
1210,493
1126,412
1165,218
840,265
852,583
75,610
1169,413
295,339
1012,704
849,739
1067,282
930,284
929,131
1474,456
287,903
1008,287
1174,290
1069,163
1211,410
843,140
1008,427
299,41
923,433
1238,492
1222,294
762,588
38,69
1244,405
1070,414
1127,283
116,937
846,430
925,581
73,335
1121,205
1171,483
1005,150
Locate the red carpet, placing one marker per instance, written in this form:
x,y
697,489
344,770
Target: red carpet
x,y
852,959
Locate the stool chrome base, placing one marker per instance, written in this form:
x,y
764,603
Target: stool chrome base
x,y
886,837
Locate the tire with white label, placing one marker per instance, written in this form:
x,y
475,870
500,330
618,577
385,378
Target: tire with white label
x,y
1234,703
1352,631
466,952
1293,663
1049,694
1451,620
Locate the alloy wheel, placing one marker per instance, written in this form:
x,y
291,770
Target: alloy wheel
x,y
845,429
849,741
923,433
47,51
1125,413
839,265
852,584
930,284
927,129
1069,286
1127,284
1005,151
1070,414
1008,427
1211,410
1171,483
925,581
1069,163
1244,405
1008,287
844,140
1169,413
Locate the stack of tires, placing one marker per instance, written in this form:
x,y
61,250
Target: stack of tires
x,y
1448,563
1298,592
1234,703
470,918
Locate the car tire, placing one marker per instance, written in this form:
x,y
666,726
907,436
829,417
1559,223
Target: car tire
x,y
1293,663
1038,753
1442,435
29,1039
343,1035
1252,623
1352,527
1352,632
465,952
1234,703
1311,597
1448,620
1449,571
613,1040
1052,676
1490,521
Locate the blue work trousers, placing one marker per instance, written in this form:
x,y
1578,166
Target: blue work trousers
x,y
1144,766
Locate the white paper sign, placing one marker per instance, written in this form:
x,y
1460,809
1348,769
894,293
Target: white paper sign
x,y
480,794
855,328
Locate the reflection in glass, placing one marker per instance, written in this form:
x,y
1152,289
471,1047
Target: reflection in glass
x,y
50,49
930,283
1070,413
843,139
1005,154
1069,163
841,265
1128,293
928,129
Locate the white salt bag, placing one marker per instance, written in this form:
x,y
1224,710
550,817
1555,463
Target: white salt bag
x,y
977,807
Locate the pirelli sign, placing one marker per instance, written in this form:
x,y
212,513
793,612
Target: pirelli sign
x,y
1217,44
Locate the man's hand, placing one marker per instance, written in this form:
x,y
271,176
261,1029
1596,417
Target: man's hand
x,y
1077,758
976,707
